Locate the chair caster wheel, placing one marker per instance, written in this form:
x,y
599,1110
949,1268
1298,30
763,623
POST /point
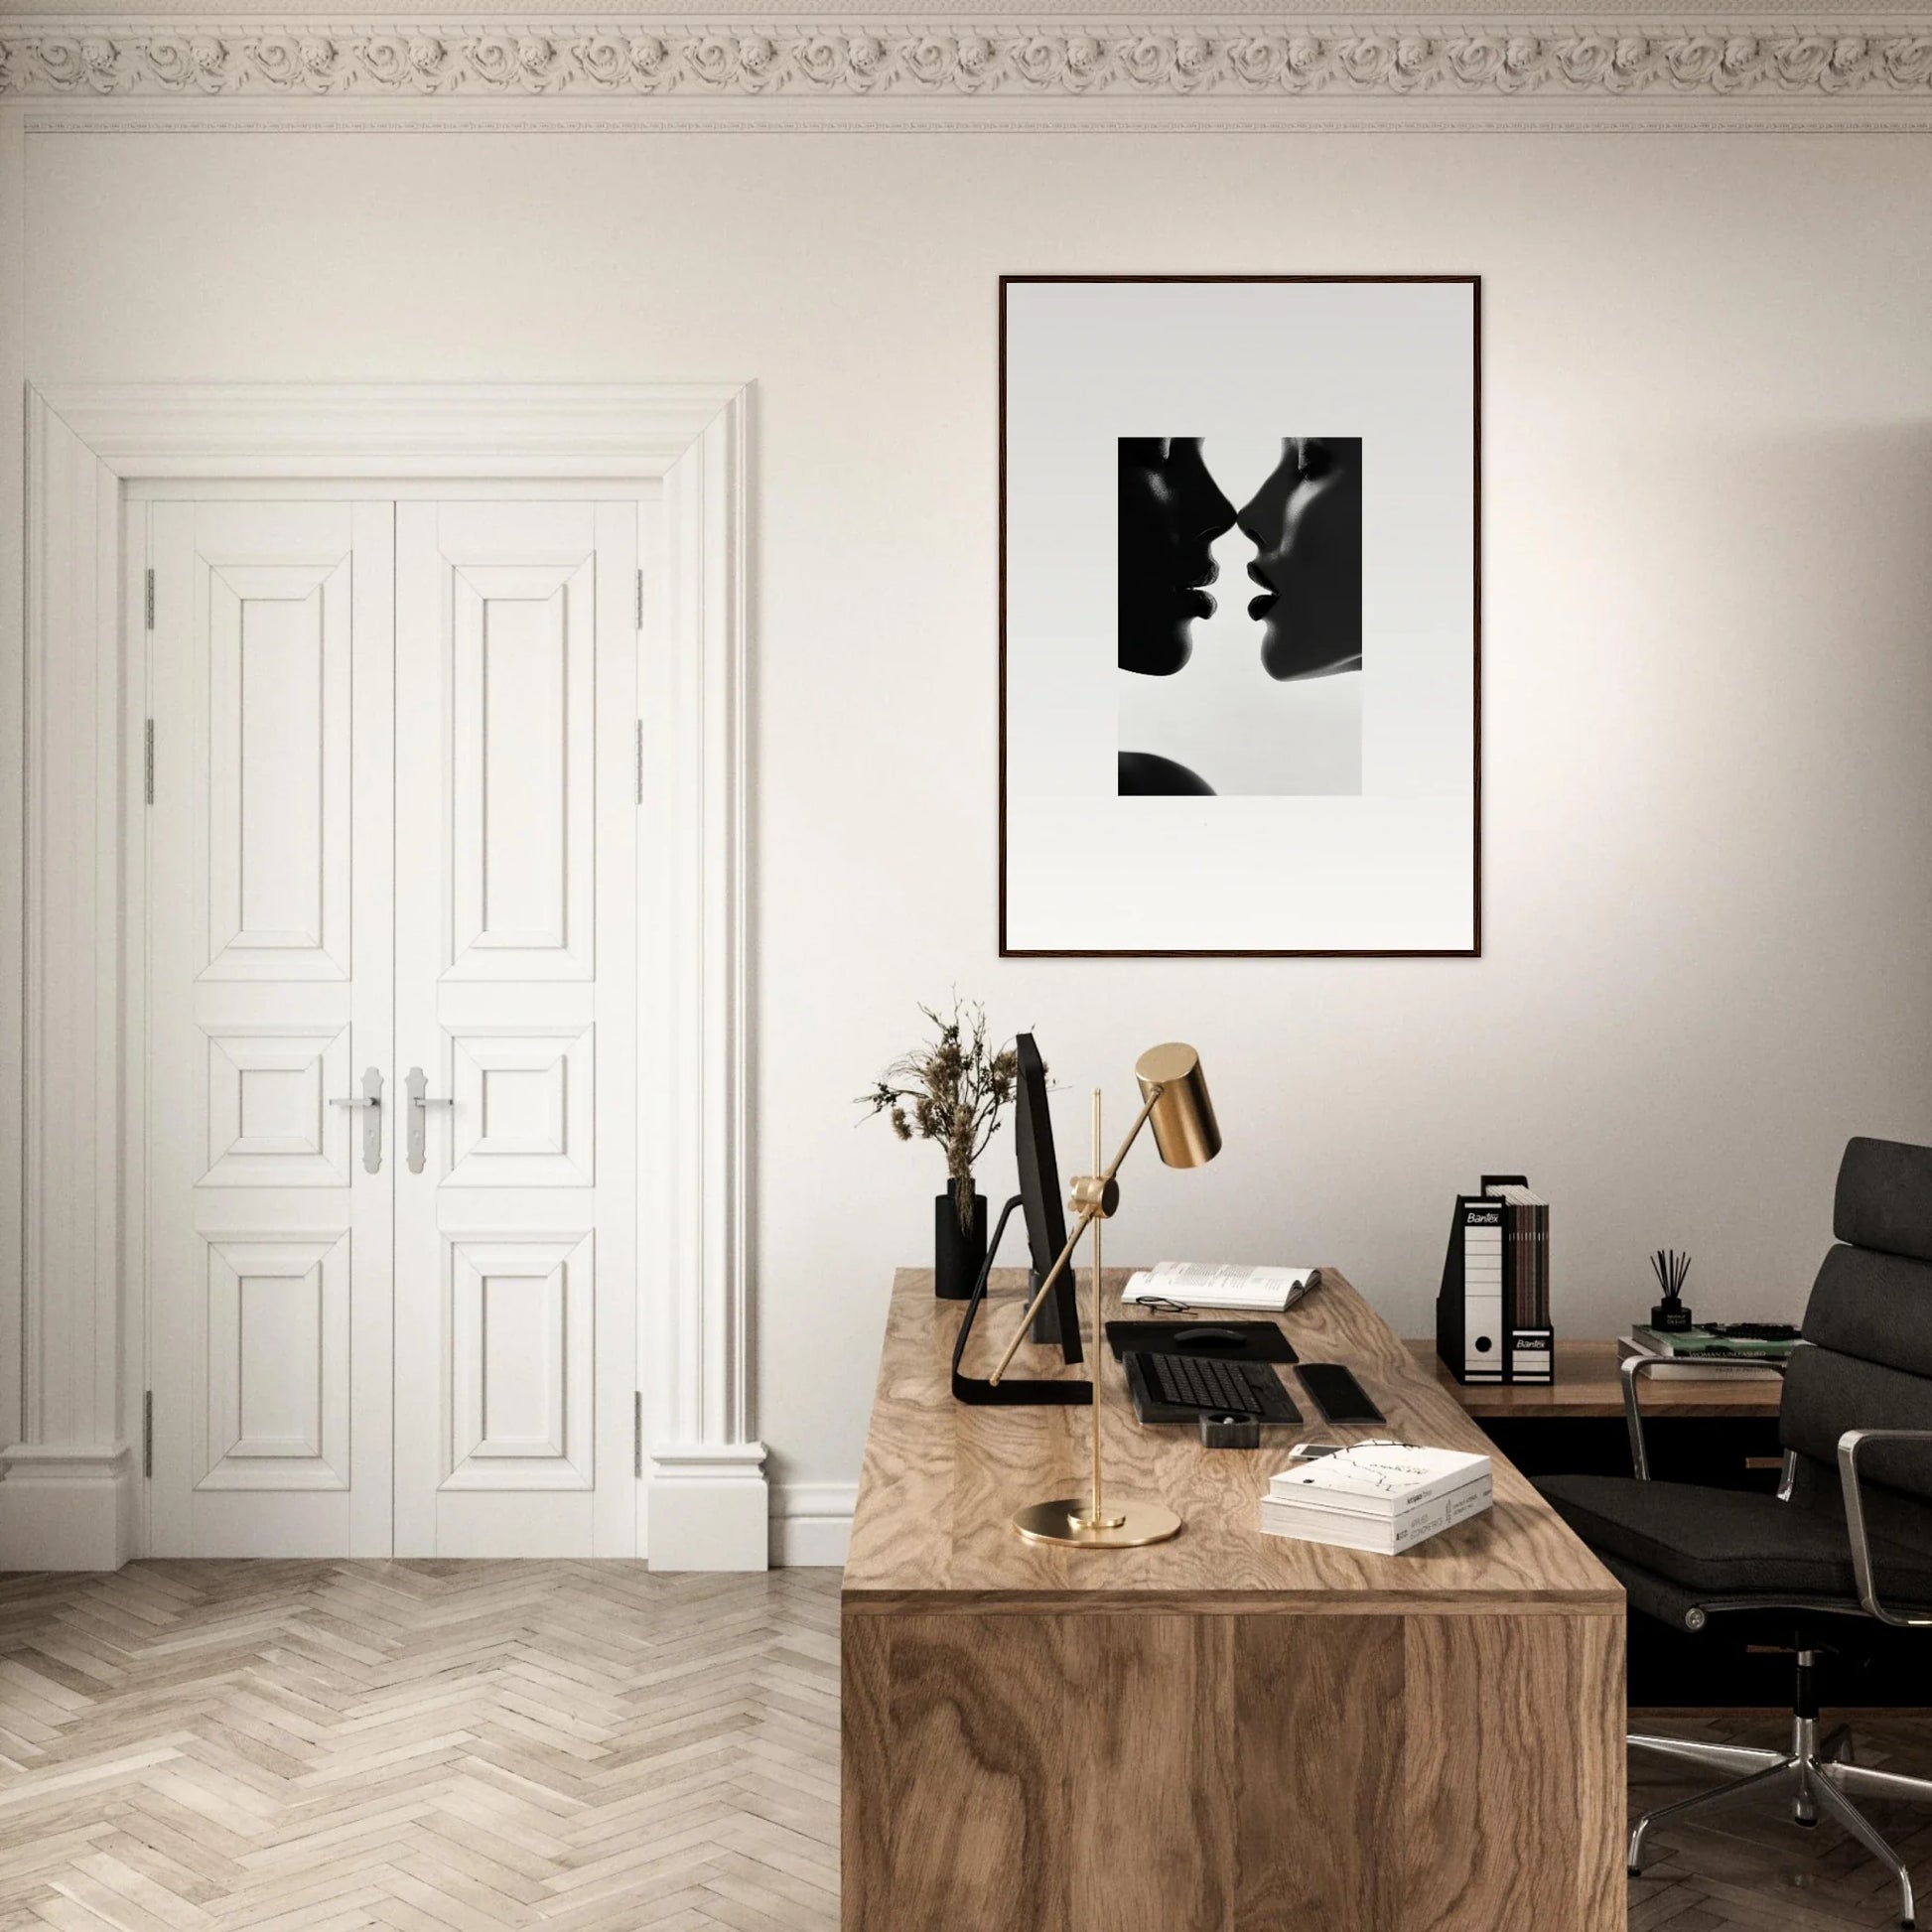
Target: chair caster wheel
x,y
1810,1824
1633,1872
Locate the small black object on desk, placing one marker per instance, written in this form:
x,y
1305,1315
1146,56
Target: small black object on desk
x,y
1230,1432
1670,1315
1336,1393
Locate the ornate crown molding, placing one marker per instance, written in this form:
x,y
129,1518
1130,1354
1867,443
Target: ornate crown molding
x,y
1254,63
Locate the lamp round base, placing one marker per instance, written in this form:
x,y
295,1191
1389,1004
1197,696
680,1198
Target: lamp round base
x,y
1065,1521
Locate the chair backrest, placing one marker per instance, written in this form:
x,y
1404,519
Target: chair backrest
x,y
1870,1326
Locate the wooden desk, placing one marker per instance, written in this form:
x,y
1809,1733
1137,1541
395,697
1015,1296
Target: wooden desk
x,y
1227,1732
1587,1385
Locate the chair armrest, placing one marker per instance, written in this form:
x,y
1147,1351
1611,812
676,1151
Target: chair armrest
x,y
1848,1445
1637,1367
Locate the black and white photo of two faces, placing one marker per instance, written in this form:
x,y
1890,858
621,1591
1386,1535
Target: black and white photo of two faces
x,y
1305,523
1239,615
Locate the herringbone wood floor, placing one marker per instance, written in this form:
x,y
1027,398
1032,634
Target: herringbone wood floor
x,y
316,1747
441,1746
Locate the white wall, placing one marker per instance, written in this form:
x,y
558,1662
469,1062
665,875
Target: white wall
x,y
1706,678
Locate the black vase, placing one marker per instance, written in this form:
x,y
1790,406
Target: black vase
x,y
958,1254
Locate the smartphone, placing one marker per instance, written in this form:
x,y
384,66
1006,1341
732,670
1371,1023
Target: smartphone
x,y
1336,1393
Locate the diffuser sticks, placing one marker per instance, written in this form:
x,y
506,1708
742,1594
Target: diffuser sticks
x,y
1670,1267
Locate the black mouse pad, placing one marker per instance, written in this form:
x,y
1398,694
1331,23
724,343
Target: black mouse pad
x,y
1223,1342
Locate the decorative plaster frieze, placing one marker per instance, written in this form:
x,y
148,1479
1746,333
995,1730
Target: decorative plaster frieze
x,y
619,59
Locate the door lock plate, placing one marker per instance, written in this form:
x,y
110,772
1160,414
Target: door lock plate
x,y
371,1101
420,1102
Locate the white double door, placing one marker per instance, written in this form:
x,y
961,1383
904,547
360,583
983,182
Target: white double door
x,y
391,858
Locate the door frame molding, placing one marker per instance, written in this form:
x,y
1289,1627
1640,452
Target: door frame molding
x,y
68,1470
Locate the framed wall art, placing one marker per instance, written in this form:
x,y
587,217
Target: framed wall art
x,y
1239,614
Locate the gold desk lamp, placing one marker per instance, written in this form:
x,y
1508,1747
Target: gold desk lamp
x,y
1175,1100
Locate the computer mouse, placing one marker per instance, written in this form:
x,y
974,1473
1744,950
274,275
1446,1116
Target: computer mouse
x,y
1207,1337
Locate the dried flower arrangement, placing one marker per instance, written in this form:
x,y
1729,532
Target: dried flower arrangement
x,y
953,1091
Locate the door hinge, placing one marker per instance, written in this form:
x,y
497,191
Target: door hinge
x,y
147,760
150,600
641,600
147,1433
637,1433
641,761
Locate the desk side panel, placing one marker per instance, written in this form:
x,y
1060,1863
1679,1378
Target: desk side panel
x,y
1316,1729
864,1768
1513,1773
955,1775
1162,1773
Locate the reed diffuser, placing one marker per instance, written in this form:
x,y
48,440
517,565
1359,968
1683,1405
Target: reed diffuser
x,y
1670,1315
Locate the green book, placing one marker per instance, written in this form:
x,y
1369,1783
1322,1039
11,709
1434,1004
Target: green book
x,y
1701,1341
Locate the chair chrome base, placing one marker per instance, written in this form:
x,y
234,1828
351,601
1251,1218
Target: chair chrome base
x,y
1818,1773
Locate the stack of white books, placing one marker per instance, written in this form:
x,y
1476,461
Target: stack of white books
x,y
1220,1285
1380,1496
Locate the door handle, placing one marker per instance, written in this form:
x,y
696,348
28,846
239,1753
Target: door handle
x,y
371,1098
420,1102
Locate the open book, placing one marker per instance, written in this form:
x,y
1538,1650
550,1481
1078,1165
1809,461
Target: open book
x,y
1211,1284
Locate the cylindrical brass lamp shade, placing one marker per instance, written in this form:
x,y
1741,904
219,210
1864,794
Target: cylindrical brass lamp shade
x,y
1184,1127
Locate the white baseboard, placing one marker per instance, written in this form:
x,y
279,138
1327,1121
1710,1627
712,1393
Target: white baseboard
x,y
66,1508
709,1508
73,1509
812,1523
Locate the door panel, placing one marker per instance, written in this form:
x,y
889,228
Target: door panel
x,y
269,992
276,1400
515,1270
269,1119
524,1107
521,1362
279,727
521,692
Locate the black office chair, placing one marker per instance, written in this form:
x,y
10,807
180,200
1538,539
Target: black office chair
x,y
1848,1536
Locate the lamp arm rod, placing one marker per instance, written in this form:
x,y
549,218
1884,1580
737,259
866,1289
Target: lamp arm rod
x,y
1088,1215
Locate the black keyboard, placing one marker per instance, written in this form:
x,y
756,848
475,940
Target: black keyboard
x,y
1208,1387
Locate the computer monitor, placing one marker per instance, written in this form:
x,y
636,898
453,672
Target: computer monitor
x,y
1039,1195
1038,1199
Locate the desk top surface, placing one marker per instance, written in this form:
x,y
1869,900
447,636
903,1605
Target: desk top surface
x,y
941,1479
1587,1384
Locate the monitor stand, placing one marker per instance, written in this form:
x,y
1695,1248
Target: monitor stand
x,y
1013,1391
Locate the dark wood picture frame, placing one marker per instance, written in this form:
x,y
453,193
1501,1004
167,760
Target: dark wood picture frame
x,y
1474,949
